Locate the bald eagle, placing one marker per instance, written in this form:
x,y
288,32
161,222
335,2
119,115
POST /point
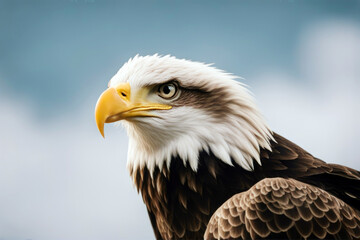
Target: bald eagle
x,y
208,166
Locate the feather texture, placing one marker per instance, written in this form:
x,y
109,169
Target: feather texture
x,y
188,199
278,208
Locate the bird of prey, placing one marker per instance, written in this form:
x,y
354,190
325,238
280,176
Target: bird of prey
x,y
208,166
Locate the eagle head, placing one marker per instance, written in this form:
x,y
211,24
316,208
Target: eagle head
x,y
177,108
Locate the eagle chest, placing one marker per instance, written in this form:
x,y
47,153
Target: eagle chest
x,y
182,201
177,202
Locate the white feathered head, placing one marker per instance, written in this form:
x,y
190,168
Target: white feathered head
x,y
177,108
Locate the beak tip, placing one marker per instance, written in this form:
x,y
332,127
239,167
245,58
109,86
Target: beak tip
x,y
101,130
100,126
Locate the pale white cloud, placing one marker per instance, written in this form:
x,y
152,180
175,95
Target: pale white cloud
x,y
60,180
329,54
321,110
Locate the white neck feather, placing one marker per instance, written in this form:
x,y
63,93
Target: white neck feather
x,y
187,131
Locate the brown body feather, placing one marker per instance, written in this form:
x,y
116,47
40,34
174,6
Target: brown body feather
x,y
181,202
278,208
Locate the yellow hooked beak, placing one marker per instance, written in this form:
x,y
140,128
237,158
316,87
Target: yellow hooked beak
x,y
116,104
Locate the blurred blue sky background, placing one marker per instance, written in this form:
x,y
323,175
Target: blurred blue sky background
x,y
60,180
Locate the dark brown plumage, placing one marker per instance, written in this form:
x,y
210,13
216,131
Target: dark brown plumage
x,y
181,202
278,208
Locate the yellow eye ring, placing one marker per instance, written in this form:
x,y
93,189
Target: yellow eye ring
x,y
167,90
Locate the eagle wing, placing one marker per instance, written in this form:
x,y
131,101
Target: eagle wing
x,y
288,160
278,208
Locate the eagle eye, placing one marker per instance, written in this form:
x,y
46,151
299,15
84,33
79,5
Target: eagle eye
x,y
167,90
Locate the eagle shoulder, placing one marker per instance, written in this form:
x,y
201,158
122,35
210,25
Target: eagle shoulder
x,y
278,208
